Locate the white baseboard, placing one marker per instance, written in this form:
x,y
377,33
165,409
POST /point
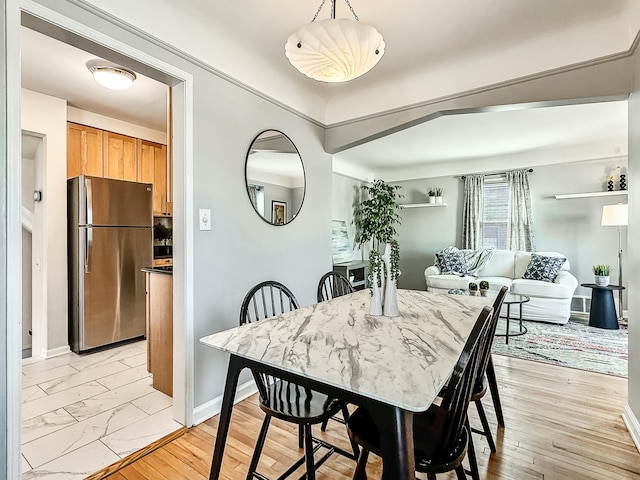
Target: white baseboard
x,y
633,425
55,352
211,408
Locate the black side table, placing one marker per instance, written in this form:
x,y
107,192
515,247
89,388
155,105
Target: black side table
x,y
603,310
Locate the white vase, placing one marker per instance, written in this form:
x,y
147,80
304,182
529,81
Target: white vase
x,y
390,304
432,199
602,280
438,199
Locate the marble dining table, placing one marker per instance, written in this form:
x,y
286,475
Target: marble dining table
x,y
393,366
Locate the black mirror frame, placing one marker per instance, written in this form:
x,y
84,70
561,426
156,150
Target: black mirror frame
x,y
246,177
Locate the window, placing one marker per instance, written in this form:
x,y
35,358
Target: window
x,y
495,213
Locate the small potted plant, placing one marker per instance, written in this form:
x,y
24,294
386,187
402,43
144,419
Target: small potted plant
x,y
432,195
601,273
484,288
438,192
473,289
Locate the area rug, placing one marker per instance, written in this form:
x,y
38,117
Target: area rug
x,y
574,345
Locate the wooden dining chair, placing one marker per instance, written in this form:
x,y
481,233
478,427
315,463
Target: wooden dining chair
x,y
332,285
283,399
440,435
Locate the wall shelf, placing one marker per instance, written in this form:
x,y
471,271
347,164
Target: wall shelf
x,y
420,205
593,194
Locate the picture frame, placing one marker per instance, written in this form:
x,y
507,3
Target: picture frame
x,y
278,212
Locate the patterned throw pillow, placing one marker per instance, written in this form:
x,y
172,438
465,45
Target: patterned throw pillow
x,y
452,263
543,268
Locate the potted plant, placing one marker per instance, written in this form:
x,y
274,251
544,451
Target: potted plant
x,y
601,273
432,195
375,219
484,288
438,192
473,289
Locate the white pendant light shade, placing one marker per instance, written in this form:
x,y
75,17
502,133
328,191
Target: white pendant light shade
x,y
335,50
113,78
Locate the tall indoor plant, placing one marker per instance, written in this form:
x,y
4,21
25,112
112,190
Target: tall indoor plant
x,y
376,218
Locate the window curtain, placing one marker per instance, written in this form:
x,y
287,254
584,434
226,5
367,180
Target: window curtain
x,y
520,233
472,212
253,196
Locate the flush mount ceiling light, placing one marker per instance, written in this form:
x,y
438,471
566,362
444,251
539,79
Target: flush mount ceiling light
x,y
335,50
114,78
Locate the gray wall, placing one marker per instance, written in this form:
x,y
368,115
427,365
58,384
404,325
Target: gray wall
x,y
569,226
633,265
241,250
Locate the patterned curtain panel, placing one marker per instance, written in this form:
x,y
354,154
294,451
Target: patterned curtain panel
x,y
472,212
520,235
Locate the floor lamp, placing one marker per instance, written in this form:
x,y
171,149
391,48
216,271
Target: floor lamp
x,y
617,216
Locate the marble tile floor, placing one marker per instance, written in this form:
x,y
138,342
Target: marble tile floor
x,y
81,413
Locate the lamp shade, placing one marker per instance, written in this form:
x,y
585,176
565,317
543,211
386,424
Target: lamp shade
x,y
335,50
113,78
615,215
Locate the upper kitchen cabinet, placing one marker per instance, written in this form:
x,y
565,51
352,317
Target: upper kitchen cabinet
x,y
154,167
119,157
84,151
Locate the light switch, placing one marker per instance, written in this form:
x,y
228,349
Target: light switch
x,y
204,214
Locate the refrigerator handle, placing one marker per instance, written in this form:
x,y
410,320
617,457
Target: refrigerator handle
x,y
88,243
88,201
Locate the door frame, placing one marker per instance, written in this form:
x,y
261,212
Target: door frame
x,y
182,182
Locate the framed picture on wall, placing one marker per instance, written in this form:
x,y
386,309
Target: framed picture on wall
x,y
278,212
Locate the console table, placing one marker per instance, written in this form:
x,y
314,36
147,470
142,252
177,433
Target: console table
x,y
603,309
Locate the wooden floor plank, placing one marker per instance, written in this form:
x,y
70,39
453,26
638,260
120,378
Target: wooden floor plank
x,y
561,424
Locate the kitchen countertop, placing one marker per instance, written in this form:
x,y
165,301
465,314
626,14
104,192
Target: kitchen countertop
x,y
166,269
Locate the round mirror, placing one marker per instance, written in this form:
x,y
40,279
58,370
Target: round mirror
x,y
275,177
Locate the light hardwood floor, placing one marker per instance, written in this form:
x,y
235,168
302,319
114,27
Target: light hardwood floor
x,y
560,424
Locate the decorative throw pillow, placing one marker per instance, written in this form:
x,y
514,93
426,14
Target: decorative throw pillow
x,y
452,263
543,268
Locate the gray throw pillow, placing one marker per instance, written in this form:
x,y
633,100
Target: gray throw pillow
x,y
452,263
543,268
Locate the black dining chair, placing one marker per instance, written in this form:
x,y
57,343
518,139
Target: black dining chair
x,y
480,386
283,399
440,435
332,285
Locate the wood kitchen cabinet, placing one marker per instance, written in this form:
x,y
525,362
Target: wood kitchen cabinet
x,y
160,329
153,167
84,151
120,157
100,153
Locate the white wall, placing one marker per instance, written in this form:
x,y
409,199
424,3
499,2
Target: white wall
x,y
568,226
47,116
633,265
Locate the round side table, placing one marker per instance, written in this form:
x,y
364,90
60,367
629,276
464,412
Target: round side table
x,y
603,309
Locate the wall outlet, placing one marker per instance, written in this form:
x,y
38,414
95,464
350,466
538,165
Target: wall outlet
x,y
204,214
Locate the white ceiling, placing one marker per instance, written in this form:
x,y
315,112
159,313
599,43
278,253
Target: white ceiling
x,y
57,69
433,48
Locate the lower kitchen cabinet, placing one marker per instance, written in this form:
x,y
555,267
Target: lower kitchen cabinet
x,y
160,329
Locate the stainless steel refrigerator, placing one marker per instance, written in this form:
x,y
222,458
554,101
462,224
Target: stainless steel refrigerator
x,y
110,239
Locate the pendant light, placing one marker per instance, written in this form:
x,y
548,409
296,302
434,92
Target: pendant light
x,y
335,50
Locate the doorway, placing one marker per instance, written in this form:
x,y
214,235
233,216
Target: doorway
x,y
31,219
181,84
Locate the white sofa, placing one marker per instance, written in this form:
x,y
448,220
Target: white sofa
x,y
549,302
